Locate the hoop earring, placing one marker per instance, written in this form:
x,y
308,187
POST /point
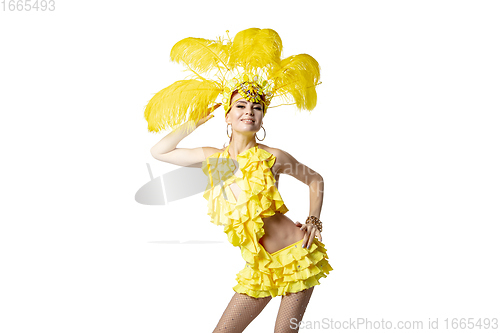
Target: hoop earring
x,y
264,134
227,132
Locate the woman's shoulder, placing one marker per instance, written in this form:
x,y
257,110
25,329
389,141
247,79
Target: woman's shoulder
x,y
272,150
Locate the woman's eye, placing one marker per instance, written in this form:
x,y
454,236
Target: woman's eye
x,y
241,106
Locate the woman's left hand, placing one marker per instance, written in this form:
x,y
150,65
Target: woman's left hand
x,y
310,232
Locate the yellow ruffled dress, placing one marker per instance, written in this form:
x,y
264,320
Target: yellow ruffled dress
x,y
288,270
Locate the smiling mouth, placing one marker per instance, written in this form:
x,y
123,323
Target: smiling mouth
x,y
248,120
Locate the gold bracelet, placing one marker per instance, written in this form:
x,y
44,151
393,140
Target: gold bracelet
x,y
314,220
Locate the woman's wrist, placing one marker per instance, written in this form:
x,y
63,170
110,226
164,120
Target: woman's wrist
x,y
315,221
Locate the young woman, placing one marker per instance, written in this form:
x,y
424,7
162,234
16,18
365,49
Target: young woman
x,y
282,258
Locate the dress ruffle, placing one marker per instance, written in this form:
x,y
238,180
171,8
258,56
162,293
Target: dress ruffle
x,y
259,198
293,269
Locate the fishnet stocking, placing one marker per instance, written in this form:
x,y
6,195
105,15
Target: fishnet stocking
x,y
240,312
292,306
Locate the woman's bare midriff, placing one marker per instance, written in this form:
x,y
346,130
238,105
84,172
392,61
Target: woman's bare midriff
x,y
280,232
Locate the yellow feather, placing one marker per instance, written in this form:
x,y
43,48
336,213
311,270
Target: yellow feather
x,y
257,51
254,49
200,54
297,76
170,106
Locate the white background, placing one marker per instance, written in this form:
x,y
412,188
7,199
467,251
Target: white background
x,y
405,135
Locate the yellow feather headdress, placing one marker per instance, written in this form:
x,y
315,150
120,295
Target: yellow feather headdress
x,y
250,64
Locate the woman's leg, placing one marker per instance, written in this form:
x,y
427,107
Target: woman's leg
x,y
292,310
240,312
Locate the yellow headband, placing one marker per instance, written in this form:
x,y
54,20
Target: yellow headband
x,y
254,89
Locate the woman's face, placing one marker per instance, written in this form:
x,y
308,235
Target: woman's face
x,y
242,110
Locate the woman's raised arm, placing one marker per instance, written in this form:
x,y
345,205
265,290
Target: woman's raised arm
x,y
165,150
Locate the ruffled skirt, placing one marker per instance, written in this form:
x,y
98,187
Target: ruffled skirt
x,y
291,270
